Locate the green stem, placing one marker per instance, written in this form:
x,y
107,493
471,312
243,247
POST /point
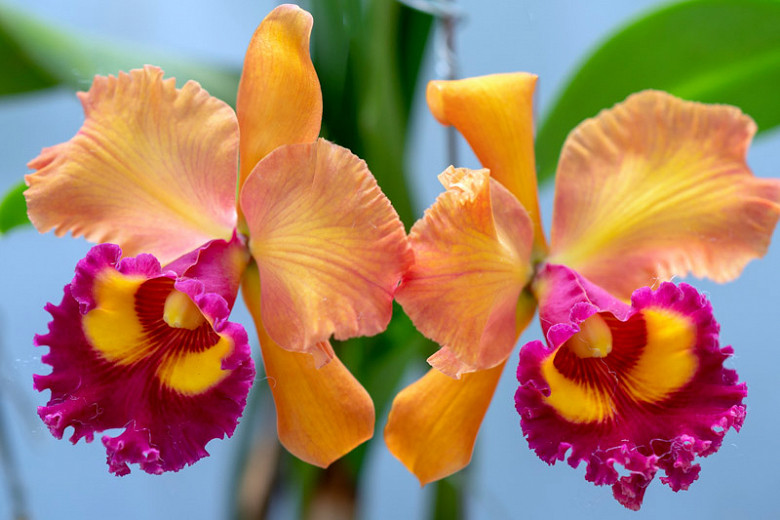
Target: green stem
x,y
448,503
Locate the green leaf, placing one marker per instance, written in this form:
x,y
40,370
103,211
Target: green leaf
x,y
21,74
414,30
40,55
13,209
385,85
448,499
368,57
715,51
336,23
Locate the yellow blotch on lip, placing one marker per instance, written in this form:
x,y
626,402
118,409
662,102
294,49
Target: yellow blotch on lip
x,y
191,372
577,403
593,340
112,327
668,361
180,312
195,372
581,402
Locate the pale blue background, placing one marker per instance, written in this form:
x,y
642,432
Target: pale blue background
x,y
506,479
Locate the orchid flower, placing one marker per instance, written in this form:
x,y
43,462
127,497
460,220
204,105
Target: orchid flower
x,y
631,373
142,341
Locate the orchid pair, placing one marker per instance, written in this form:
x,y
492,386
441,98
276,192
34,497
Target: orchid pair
x,y
142,342
631,373
202,201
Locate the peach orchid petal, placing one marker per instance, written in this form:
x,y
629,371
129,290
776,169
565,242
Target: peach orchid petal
x,y
495,115
321,413
433,423
658,187
152,169
279,98
472,254
329,246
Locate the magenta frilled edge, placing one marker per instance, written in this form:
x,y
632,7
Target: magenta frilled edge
x,y
101,381
656,400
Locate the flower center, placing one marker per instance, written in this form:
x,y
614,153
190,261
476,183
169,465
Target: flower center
x,y
594,340
181,313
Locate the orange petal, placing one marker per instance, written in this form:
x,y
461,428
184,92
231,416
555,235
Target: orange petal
x,y
321,413
434,422
329,246
472,253
658,187
279,98
153,169
495,115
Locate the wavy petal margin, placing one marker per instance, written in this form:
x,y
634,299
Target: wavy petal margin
x,y
472,259
279,97
135,348
658,187
495,115
329,246
152,169
321,413
643,388
433,423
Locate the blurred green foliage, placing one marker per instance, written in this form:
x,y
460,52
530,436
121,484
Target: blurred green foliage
x,y
715,51
36,54
13,210
368,57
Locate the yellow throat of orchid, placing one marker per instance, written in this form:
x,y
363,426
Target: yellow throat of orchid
x,y
593,340
180,312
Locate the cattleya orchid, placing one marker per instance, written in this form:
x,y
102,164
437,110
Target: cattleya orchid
x,y
141,339
631,373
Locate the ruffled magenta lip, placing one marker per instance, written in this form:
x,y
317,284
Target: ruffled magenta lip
x,y
165,429
641,436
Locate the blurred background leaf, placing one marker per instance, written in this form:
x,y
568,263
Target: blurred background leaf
x,y
715,51
368,57
35,55
13,209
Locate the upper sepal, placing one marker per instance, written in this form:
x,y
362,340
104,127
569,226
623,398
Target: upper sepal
x,y
279,97
495,115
